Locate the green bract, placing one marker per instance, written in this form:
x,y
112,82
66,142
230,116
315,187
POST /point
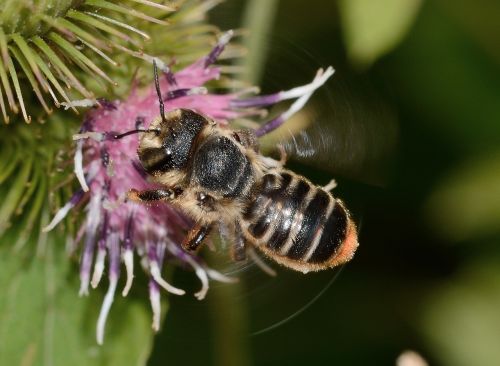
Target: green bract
x,y
56,51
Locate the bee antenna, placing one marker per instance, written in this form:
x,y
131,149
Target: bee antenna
x,y
131,132
158,91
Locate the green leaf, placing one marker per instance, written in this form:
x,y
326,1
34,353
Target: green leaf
x,y
461,321
372,28
44,322
466,204
480,22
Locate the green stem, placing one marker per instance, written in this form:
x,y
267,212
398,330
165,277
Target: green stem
x,y
230,325
258,19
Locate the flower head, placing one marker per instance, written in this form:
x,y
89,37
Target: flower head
x,y
107,168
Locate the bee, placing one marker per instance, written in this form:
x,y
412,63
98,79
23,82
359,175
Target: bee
x,y
217,177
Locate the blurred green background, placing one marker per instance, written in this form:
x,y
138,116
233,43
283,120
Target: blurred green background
x,y
422,82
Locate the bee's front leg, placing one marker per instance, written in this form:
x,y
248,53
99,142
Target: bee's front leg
x,y
152,195
195,237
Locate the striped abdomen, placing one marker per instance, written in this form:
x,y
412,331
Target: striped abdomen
x,y
298,224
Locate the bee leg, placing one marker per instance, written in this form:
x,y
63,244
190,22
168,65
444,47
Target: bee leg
x,y
195,237
152,195
238,250
260,263
283,155
330,186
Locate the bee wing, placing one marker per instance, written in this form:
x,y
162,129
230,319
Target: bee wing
x,y
348,133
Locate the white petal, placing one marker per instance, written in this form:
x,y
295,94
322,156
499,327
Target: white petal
x,y
202,275
320,78
154,298
217,276
79,166
199,270
84,285
201,90
225,38
128,259
96,136
156,274
60,215
106,306
98,267
79,103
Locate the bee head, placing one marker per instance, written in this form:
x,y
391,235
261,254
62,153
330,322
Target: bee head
x,y
168,143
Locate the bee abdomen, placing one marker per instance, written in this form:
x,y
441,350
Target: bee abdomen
x,y
333,235
300,225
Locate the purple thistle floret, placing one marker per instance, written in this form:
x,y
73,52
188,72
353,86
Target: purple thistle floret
x,y
107,168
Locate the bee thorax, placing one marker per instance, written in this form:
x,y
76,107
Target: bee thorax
x,y
220,166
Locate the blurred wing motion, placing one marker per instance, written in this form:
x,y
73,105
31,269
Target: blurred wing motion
x,y
349,134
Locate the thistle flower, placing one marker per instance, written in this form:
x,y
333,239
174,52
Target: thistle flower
x,y
36,149
107,168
